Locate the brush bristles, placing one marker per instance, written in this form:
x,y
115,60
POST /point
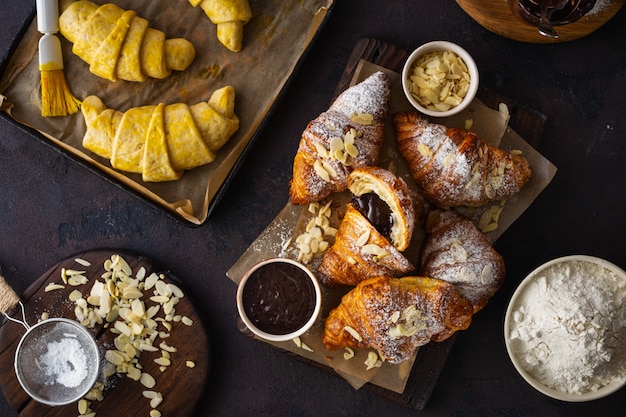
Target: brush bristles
x,y
56,98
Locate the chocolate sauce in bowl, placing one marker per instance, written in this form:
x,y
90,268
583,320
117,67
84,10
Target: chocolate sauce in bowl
x,y
376,211
279,298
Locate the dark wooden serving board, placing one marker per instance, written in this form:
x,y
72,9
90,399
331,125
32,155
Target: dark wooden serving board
x,y
181,386
527,122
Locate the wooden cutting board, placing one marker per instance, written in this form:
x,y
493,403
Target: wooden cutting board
x,y
497,17
526,121
181,386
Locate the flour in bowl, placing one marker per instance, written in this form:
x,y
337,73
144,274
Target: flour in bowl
x,y
568,328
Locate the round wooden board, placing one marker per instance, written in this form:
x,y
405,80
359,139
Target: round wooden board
x,y
181,386
497,17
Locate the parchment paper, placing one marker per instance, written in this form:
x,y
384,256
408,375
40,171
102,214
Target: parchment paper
x,y
277,239
274,40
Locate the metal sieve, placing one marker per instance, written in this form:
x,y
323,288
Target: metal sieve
x,y
49,372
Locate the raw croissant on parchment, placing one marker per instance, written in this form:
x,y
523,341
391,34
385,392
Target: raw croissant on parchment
x,y
396,315
161,141
348,135
377,226
230,16
454,167
118,44
457,252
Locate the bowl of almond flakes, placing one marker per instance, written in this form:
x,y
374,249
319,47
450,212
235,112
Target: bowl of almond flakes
x,y
440,78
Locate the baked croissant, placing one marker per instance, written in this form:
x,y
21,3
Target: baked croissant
x,y
457,252
360,252
395,316
161,141
454,167
378,224
348,135
118,44
230,16
368,184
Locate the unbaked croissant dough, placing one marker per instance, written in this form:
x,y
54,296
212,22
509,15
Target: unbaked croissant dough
x,y
454,167
162,141
395,316
230,16
118,44
348,135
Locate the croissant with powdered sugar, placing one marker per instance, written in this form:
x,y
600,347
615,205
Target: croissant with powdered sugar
x,y
396,315
457,252
454,167
348,135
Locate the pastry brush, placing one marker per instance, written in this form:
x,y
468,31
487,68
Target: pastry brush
x,y
56,98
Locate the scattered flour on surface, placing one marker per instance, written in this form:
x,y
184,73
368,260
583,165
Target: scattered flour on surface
x,y
568,328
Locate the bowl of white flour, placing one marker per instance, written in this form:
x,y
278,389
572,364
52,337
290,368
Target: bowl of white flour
x,y
565,328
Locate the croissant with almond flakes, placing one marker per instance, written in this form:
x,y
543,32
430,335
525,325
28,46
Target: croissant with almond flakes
x,y
457,252
348,135
395,316
454,167
377,226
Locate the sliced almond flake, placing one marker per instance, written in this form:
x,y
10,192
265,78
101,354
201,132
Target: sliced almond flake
x,y
336,144
362,118
373,249
352,150
82,262
362,240
353,333
147,380
424,150
75,295
53,286
320,171
329,168
348,354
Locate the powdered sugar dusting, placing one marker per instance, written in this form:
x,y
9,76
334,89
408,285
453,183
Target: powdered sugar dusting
x,y
460,254
371,96
456,168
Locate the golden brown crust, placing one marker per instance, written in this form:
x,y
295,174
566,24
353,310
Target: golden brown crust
x,y
393,191
360,252
454,167
396,315
458,253
370,97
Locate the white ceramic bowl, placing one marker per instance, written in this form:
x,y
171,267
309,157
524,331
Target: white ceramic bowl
x,y
440,46
517,300
243,299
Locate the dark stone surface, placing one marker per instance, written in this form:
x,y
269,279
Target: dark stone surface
x,y
52,207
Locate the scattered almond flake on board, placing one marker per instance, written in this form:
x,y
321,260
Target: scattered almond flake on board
x,y
82,262
53,286
312,242
116,302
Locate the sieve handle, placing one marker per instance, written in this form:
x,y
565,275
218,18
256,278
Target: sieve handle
x,y
8,298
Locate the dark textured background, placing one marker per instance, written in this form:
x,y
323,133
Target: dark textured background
x,y
51,208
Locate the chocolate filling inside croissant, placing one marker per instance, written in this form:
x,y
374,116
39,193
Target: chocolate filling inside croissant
x,y
376,210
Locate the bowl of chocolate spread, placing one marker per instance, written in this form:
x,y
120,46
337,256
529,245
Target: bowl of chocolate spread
x,y
279,299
